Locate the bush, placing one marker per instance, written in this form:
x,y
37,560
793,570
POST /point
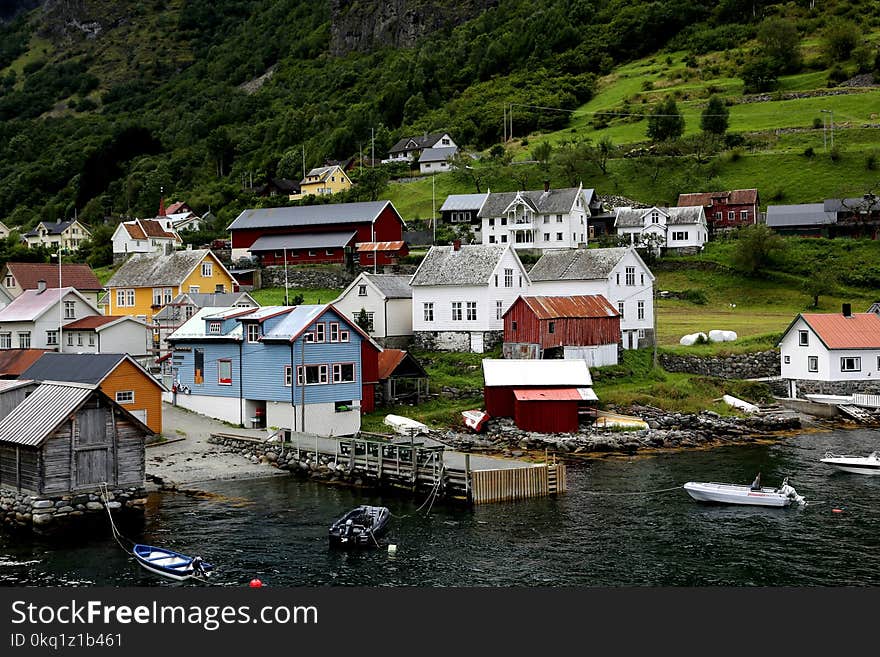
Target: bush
x,y
758,76
809,152
818,123
841,38
837,75
695,296
835,154
871,161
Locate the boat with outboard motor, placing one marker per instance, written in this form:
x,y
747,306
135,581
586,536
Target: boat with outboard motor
x,y
717,493
360,527
170,564
866,465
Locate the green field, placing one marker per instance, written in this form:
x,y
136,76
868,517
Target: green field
x,y
274,296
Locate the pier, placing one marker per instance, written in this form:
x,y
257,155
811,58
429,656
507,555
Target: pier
x,y
419,466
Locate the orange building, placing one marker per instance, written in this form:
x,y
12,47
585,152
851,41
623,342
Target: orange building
x,y
118,376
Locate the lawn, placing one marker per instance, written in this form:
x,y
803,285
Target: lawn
x,y
274,296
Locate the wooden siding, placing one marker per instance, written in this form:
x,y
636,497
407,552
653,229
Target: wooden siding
x,y
301,256
567,331
147,395
499,401
243,238
19,467
547,416
517,483
12,398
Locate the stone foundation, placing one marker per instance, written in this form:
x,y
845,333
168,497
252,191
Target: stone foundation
x,y
736,366
456,340
805,387
24,510
395,342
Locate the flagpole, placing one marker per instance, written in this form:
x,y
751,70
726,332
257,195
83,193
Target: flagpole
x,y
60,304
286,303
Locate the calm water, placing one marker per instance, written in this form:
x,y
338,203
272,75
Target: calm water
x,y
276,529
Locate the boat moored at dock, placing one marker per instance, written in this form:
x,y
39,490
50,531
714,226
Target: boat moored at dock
x,y
865,465
717,493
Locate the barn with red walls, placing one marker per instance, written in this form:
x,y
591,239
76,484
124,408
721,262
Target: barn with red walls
x,y
581,321
503,377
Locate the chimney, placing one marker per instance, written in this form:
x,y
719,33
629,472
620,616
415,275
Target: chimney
x,y
546,185
847,310
456,245
41,286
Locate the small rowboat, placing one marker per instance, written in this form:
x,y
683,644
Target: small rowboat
x,y
360,527
475,420
785,495
170,564
866,465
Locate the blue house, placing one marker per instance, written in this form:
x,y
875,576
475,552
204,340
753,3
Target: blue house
x,y
305,368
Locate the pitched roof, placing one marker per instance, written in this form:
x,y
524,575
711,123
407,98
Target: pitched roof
x,y
580,306
858,204
472,264
553,201
463,202
733,197
302,241
632,217
802,214
296,321
150,269
134,230
421,141
98,322
438,154
369,247
529,373
52,228
32,304
174,208
79,276
310,215
204,300
392,286
153,228
196,326
15,361
389,359
576,264
858,331
42,412
322,174
73,368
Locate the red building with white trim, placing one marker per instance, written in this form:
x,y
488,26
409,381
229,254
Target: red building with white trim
x,y
725,210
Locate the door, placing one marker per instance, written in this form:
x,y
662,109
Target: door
x,y
140,415
93,462
477,342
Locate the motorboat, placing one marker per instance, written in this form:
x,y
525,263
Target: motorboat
x,y
360,527
475,420
406,426
866,465
785,495
169,563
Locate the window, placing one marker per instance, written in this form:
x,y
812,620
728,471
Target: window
x,y
620,308
79,339
503,221
334,331
491,222
321,330
91,339
428,309
813,363
157,296
496,280
618,278
214,328
5,340
24,340
640,309
546,218
504,239
472,311
630,275
70,339
51,338
499,311
491,239
253,332
207,269
224,372
10,281
744,215
508,278
679,236
546,237
850,364
343,406
288,379
188,311
719,215
125,298
643,279
641,333
315,375
343,335
456,311
558,237
125,397
129,298
168,294
513,325
803,338
194,289
329,252
551,327
787,360
520,281
558,218
655,217
198,366
69,310
362,290
343,372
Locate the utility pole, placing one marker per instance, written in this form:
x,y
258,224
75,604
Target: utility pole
x,y
831,121
372,147
510,116
504,127
304,160
433,210
286,302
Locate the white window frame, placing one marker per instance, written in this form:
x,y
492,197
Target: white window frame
x,y
630,276
125,396
456,311
337,373
253,332
640,310
812,363
362,290
850,363
215,328
803,338
221,380
207,269
322,374
24,337
52,338
428,311
471,311
499,309
69,310
6,340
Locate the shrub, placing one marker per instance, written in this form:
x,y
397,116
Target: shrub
x,y
837,75
808,152
818,123
841,38
835,154
871,161
695,296
777,194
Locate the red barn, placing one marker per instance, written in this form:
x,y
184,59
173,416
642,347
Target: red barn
x,y
547,327
725,210
372,221
502,378
552,410
303,248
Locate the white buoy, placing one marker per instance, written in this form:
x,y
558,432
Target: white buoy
x,y
392,549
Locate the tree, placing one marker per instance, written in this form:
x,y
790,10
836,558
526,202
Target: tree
x,y
840,39
665,123
823,281
465,172
780,41
758,75
715,117
602,152
370,183
542,152
363,320
755,248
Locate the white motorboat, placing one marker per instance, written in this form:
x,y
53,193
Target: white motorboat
x,y
738,494
866,465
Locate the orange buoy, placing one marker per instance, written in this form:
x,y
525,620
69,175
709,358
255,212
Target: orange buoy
x,y
255,584
836,510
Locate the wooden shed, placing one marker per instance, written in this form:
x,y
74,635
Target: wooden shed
x,y
67,437
553,410
401,377
503,377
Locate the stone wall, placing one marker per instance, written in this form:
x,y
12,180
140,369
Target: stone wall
x,y
736,366
38,512
455,340
804,387
328,277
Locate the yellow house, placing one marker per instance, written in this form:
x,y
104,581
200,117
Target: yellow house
x,y
323,180
147,281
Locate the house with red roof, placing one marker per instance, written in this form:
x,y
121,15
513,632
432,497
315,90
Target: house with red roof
x,y
831,353
725,210
109,334
144,236
18,277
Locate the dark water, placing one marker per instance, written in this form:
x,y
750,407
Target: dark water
x,y
276,530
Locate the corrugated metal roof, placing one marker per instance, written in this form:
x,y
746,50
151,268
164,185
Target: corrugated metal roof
x,y
576,264
389,359
196,327
557,373
310,215
463,202
588,305
15,361
472,264
295,322
380,246
42,411
631,217
555,394
859,331
74,368
801,214
33,304
303,241
438,154
735,197
264,313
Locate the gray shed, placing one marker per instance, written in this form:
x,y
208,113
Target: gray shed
x,y
58,438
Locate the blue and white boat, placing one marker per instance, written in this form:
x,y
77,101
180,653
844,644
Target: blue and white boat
x,y
169,563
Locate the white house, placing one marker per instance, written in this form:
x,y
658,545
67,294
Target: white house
x,y
679,229
108,334
145,236
460,294
842,350
409,149
182,217
66,234
32,319
548,219
387,301
434,160
619,274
